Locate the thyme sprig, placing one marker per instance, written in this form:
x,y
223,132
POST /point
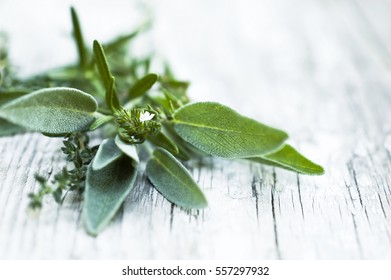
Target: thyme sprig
x,y
72,176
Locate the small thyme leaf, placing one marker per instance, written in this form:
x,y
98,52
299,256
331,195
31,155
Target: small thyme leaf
x,y
174,181
135,125
52,110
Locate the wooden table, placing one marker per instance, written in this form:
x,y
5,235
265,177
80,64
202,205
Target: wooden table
x,y
320,70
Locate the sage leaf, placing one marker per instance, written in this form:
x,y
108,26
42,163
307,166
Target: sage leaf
x,y
9,129
112,100
106,154
100,120
220,131
174,181
288,158
142,85
127,149
183,146
52,110
164,141
106,187
101,63
105,74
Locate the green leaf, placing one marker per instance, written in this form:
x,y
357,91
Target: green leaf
x,y
77,33
176,89
52,110
220,131
183,146
164,141
106,154
100,120
112,100
290,159
101,63
142,85
175,84
9,129
119,42
106,187
174,181
127,149
105,73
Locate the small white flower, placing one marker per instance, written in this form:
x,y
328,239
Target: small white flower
x,y
146,116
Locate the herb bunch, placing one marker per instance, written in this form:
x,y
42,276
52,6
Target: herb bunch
x,y
135,111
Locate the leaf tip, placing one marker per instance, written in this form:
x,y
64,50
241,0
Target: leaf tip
x,y
92,230
318,170
96,45
73,11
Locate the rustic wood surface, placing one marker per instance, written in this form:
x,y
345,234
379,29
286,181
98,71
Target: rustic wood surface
x,y
320,70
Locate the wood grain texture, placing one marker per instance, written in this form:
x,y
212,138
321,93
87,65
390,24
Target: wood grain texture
x,y
320,70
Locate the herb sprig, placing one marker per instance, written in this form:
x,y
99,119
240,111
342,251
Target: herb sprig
x,y
132,108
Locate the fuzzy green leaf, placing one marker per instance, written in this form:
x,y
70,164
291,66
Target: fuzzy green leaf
x,y
128,149
220,131
107,187
106,154
174,181
184,153
164,141
290,159
100,120
7,128
142,85
52,110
